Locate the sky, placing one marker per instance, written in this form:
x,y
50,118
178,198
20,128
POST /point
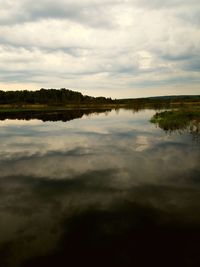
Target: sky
x,y
114,48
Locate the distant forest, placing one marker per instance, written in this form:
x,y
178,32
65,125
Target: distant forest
x,y
50,97
63,97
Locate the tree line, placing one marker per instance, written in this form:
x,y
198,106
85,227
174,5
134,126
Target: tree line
x,y
62,97
50,97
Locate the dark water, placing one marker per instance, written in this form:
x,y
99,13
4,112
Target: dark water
x,y
106,189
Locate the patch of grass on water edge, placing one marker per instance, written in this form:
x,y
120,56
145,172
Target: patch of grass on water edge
x,y
177,119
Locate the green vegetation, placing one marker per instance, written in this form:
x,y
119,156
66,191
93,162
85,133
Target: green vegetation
x,y
180,119
64,98
64,104
49,97
161,102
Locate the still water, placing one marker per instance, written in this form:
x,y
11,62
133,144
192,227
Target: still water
x,y
104,189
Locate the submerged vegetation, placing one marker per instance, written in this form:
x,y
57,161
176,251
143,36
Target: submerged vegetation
x,y
179,120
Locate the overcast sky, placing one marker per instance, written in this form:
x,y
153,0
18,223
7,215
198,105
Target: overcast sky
x,y
117,48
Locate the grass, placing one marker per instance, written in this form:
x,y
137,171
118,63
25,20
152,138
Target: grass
x,y
179,119
36,107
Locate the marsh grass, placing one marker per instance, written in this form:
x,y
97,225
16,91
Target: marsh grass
x,y
184,119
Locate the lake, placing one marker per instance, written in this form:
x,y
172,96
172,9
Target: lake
x,y
102,188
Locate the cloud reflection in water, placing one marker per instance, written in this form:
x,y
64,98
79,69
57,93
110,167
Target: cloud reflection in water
x,y
88,186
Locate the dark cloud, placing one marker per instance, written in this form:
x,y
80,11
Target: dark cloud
x,y
94,14
159,4
193,65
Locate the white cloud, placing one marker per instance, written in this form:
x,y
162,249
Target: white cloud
x,y
111,47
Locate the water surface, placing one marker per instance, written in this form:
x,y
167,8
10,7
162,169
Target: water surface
x,y
104,189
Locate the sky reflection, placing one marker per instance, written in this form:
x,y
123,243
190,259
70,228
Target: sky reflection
x,y
54,175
